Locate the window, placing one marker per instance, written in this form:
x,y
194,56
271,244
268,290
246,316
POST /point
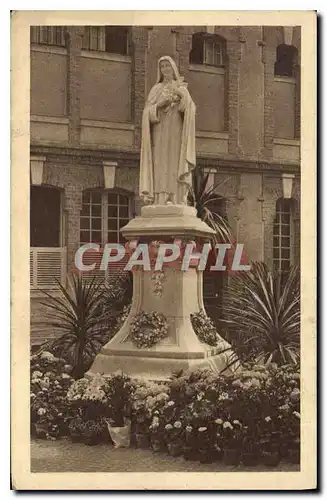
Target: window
x,y
285,60
117,40
207,49
113,39
45,216
103,214
282,242
48,35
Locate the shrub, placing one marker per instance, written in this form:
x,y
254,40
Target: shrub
x,y
50,411
266,315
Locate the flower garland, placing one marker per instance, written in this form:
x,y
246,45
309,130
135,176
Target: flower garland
x,y
157,280
204,328
147,329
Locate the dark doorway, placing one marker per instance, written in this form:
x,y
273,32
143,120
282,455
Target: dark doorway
x,y
45,213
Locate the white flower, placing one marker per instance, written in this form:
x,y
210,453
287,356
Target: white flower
x,y
168,427
223,396
41,411
37,374
268,419
237,422
202,429
285,407
178,424
48,356
170,403
189,428
227,425
296,413
218,421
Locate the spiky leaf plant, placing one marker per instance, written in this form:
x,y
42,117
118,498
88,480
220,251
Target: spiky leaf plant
x,y
265,311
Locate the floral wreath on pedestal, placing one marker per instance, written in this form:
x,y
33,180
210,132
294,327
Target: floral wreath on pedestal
x,y
204,328
147,329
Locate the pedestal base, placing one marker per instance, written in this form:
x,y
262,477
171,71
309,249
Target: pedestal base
x,y
176,294
160,366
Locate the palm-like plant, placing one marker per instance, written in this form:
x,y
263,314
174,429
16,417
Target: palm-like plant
x,y
79,313
266,313
204,198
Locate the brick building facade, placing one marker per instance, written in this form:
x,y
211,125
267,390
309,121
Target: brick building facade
x,y
88,88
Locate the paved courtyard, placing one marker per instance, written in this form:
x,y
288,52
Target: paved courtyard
x,y
65,456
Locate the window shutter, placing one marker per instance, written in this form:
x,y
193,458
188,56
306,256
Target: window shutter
x,y
46,266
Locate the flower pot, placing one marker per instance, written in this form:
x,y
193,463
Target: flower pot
x,y
76,438
294,456
174,449
91,440
250,459
157,445
40,431
218,455
142,441
270,458
190,453
121,436
206,456
232,457
284,450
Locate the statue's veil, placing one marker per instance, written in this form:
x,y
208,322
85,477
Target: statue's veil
x,y
173,65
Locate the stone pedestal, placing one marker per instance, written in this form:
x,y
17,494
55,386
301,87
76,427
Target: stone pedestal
x,y
177,295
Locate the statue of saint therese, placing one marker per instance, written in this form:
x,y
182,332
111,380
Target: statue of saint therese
x,y
168,138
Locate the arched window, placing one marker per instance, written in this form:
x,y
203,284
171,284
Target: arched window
x,y
48,35
283,236
208,49
112,39
286,56
102,216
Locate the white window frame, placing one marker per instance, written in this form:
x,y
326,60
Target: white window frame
x,y
212,52
278,224
45,35
104,215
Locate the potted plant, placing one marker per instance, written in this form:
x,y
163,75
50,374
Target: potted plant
x,y
157,438
174,438
231,439
76,428
206,445
92,432
250,451
269,443
295,451
118,392
190,451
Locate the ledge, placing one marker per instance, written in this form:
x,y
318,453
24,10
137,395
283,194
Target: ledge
x,y
61,120
287,142
48,49
202,68
106,56
131,158
104,124
285,79
212,135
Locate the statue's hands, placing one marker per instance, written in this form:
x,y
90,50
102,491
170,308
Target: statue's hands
x,y
163,102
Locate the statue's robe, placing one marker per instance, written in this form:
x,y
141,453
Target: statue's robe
x,y
168,146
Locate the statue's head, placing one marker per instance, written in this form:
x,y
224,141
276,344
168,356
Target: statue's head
x,y
167,69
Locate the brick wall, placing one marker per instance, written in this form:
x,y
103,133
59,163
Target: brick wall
x,y
48,83
252,184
